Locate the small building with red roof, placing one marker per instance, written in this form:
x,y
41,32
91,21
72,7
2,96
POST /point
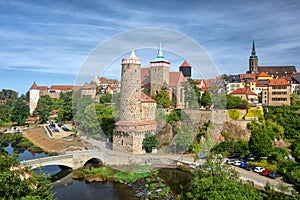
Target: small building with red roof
x,y
246,94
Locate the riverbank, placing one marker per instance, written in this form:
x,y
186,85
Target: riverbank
x,y
39,138
142,178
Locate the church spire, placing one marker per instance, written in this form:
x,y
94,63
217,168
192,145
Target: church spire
x,y
253,60
253,48
160,56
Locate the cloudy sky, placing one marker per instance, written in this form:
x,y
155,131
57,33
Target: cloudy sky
x,y
48,41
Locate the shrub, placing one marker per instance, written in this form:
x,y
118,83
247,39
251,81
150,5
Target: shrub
x,y
234,114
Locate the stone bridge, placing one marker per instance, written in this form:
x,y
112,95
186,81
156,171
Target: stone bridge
x,y
77,159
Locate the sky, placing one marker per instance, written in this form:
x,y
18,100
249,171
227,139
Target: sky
x,y
48,41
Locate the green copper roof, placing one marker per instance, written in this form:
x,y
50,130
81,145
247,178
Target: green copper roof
x,y
160,56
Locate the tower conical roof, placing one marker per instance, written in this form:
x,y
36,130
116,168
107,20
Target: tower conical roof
x,y
160,56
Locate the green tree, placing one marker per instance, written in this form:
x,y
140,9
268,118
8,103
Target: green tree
x,y
65,112
192,94
149,142
106,116
15,185
236,102
5,113
163,99
43,108
20,112
260,143
184,138
213,180
106,98
206,99
79,106
296,150
89,122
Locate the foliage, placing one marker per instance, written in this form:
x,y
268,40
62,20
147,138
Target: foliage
x,y
278,154
264,164
89,122
255,112
236,102
20,112
177,115
226,148
106,116
184,137
260,143
160,116
6,94
149,142
234,114
296,150
106,98
163,98
43,108
213,180
14,185
65,112
191,94
79,105
285,117
5,113
206,99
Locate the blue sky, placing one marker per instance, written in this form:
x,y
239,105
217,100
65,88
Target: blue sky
x,y
48,41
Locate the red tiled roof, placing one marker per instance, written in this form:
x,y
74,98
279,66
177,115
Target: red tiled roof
x,y
176,79
61,87
112,87
185,64
278,71
263,74
248,76
280,81
36,87
147,99
145,76
87,86
198,80
243,91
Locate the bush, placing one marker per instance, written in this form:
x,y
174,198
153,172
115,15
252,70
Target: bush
x,y
234,114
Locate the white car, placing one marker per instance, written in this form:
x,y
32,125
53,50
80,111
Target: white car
x,y
237,163
229,161
258,169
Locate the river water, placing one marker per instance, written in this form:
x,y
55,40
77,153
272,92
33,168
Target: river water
x,y
67,188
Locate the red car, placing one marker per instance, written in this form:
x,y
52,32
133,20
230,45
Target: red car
x,y
265,172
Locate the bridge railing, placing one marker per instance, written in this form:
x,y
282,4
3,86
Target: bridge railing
x,y
45,159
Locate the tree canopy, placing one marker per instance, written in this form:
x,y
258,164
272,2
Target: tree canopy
x,y
213,180
20,112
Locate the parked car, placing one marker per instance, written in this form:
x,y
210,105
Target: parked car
x,y
258,169
265,172
250,167
251,157
234,155
274,175
229,161
237,163
202,156
243,165
65,128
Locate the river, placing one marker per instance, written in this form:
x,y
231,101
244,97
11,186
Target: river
x,y
67,188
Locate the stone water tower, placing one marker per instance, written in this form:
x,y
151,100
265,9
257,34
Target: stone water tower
x,y
132,126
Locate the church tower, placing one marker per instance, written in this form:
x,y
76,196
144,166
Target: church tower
x,y
131,128
159,73
253,60
186,69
